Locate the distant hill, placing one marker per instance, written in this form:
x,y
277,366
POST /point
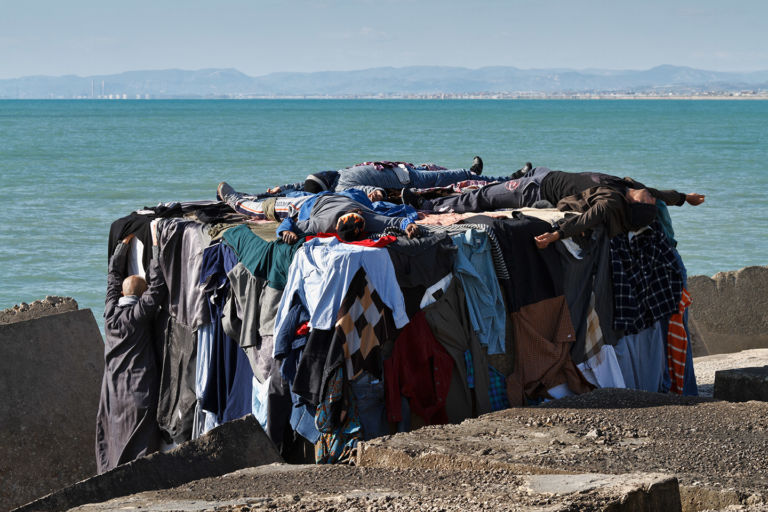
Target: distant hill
x,y
387,82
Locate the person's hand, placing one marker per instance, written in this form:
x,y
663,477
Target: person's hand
x,y
274,190
376,195
694,199
543,240
289,237
412,230
128,239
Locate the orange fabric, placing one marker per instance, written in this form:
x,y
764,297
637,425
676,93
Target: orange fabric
x,y
677,345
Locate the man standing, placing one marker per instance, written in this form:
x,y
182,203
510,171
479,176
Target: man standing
x,y
126,424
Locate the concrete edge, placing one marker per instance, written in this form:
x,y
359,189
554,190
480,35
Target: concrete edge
x,y
208,456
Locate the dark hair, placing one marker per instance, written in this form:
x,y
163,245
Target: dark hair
x,y
640,214
312,186
350,226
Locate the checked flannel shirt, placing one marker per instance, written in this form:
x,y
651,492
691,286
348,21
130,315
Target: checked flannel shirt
x,y
647,282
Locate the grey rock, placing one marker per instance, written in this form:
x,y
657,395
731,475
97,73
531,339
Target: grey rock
x,y
729,312
50,379
742,384
234,445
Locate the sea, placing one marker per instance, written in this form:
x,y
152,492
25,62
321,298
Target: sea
x,y
68,169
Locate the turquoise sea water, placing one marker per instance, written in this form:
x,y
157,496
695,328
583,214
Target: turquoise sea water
x,y
69,168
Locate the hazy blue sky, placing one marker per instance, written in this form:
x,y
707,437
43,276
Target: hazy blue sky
x,y
84,37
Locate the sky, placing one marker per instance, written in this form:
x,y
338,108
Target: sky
x,y
257,37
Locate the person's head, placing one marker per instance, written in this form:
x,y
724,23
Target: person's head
x,y
350,226
376,195
640,215
640,195
134,285
318,182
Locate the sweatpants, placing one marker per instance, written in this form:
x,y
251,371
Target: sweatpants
x,y
517,193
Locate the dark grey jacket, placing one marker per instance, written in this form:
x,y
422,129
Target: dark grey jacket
x,y
126,424
328,208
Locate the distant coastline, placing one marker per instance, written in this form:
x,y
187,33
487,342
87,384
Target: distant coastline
x,y
414,82
435,97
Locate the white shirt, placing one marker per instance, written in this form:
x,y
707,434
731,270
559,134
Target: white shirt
x,y
321,273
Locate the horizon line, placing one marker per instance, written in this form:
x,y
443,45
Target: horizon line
x,y
589,69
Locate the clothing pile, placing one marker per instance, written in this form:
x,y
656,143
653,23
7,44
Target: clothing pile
x,y
328,342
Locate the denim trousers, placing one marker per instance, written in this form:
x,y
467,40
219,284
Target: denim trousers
x,y
368,175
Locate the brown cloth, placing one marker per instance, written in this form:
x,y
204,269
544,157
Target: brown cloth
x,y
448,319
543,338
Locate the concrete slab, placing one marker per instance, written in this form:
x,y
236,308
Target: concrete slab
x,y
742,384
730,310
238,444
50,379
281,487
628,492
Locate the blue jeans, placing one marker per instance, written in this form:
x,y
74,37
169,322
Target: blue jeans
x,y
369,394
368,175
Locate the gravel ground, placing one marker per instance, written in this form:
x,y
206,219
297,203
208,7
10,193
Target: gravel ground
x,y
718,451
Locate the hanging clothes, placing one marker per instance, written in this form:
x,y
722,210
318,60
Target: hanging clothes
x,y
420,370
228,391
642,359
534,274
420,263
338,421
364,326
677,345
136,224
543,337
181,244
268,260
321,273
474,268
647,282
448,319
249,317
176,408
589,291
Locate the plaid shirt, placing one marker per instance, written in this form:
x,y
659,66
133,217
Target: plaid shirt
x,y
647,282
497,390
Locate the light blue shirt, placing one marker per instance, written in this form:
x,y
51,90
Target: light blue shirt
x,y
321,273
474,268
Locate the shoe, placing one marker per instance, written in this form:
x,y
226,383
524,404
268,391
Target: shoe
x,y
411,198
224,190
477,166
521,172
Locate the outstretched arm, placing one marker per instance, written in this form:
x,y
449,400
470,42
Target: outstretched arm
x,y
694,199
544,239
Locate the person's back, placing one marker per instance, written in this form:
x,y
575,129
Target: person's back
x,y
126,423
557,185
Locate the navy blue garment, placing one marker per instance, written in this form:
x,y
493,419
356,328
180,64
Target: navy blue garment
x,y
230,378
289,348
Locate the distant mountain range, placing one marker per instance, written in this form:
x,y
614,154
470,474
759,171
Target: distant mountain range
x,y
384,82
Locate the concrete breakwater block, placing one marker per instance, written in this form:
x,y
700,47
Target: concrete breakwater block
x,y
742,384
235,445
50,378
341,487
729,312
627,493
